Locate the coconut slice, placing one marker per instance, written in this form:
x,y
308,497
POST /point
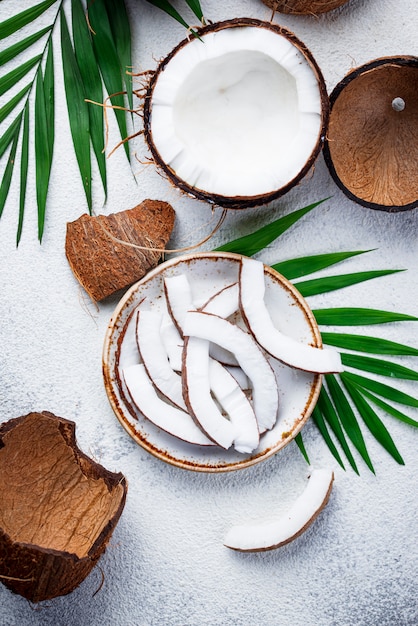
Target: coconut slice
x,y
173,343
267,536
282,347
155,359
197,393
235,403
248,354
180,299
167,417
239,120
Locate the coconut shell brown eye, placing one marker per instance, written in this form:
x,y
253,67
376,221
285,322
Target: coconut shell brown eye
x,y
371,146
304,7
58,507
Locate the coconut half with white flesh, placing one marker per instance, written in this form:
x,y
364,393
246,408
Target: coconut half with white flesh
x,y
237,115
278,532
283,347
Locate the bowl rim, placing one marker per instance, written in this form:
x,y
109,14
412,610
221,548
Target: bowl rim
x,y
115,332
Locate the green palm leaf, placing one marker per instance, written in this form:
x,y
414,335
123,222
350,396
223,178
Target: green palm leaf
x,y
15,23
13,77
378,366
8,172
43,155
7,138
120,26
348,419
331,283
322,427
358,317
24,163
77,109
327,410
302,266
10,53
388,408
373,422
170,10
108,62
92,84
380,389
262,238
12,104
363,343
196,8
301,446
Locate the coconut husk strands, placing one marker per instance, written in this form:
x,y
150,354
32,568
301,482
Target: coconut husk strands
x,y
58,507
371,146
304,7
186,164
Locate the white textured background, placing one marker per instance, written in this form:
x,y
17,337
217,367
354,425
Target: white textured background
x,y
166,565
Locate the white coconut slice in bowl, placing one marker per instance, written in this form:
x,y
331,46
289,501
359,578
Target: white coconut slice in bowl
x,y
278,532
237,115
284,348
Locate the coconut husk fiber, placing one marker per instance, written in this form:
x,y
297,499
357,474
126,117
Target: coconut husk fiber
x,y
304,7
99,250
58,507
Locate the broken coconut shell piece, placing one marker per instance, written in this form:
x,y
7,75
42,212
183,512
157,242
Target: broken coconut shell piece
x,y
110,253
240,120
58,507
304,7
371,146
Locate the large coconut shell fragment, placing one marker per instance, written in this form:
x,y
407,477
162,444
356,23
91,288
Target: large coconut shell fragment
x,y
58,507
371,146
110,253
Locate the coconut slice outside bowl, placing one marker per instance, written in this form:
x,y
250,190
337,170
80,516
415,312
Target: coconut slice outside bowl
x,y
236,115
371,146
208,274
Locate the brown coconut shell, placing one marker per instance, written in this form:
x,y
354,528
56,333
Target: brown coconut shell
x,y
58,507
304,7
96,250
235,202
371,146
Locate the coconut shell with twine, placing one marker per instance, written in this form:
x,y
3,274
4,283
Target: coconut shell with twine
x,y
58,507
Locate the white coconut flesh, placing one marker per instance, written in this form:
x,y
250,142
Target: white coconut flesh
x,y
283,347
278,532
197,393
237,113
235,403
154,357
164,415
249,356
172,342
180,299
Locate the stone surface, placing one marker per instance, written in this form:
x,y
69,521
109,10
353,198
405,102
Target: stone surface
x,y
166,565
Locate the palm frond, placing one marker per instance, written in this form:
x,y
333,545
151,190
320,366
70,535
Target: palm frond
x,y
15,23
344,395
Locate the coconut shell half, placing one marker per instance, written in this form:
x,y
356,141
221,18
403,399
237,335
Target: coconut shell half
x,y
371,147
58,507
304,7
